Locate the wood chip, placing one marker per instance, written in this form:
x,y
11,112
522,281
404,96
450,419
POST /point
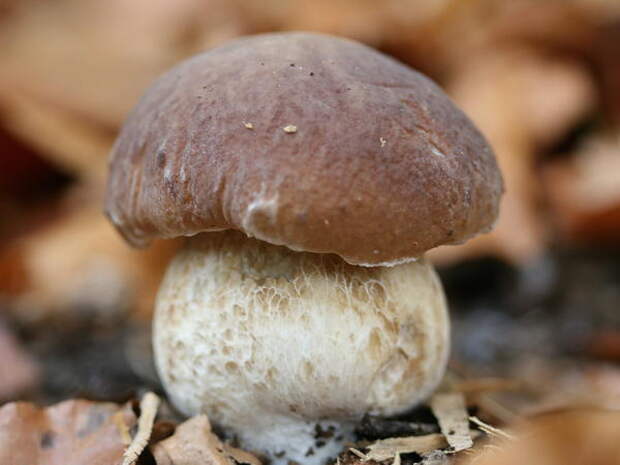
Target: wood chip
x,y
437,457
248,125
358,453
290,129
388,449
451,413
148,410
193,443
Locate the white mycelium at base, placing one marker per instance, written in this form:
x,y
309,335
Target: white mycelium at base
x,y
269,342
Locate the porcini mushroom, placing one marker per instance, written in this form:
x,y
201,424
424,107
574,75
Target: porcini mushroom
x,y
302,300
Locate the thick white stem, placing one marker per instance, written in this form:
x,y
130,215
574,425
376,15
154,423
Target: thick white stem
x,y
287,439
269,342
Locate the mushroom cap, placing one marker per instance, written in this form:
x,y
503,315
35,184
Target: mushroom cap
x,y
313,142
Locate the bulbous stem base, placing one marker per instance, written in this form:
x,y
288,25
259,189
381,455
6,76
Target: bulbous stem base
x,y
269,342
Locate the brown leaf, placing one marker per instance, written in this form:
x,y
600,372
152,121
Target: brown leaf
x,y
71,144
466,29
488,94
74,432
97,271
584,192
193,443
18,372
605,345
122,46
27,180
581,437
67,97
522,101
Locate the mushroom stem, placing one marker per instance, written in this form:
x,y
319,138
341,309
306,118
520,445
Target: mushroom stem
x,y
285,439
271,343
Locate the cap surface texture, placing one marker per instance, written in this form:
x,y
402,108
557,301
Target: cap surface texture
x,y
309,141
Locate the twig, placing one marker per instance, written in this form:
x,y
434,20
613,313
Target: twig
x,y
490,430
148,410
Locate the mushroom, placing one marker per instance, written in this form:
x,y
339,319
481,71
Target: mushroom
x,y
301,300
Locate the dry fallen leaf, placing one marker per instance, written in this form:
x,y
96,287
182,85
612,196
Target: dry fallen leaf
x,y
67,97
193,443
584,191
98,271
465,29
605,345
75,146
122,46
487,93
29,188
580,437
74,432
521,101
18,371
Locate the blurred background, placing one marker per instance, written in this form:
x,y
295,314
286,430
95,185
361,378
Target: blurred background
x,y
535,304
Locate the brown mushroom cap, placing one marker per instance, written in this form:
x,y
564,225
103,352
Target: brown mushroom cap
x,y
309,141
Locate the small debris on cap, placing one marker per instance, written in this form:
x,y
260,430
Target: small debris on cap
x,y
290,129
382,141
248,125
